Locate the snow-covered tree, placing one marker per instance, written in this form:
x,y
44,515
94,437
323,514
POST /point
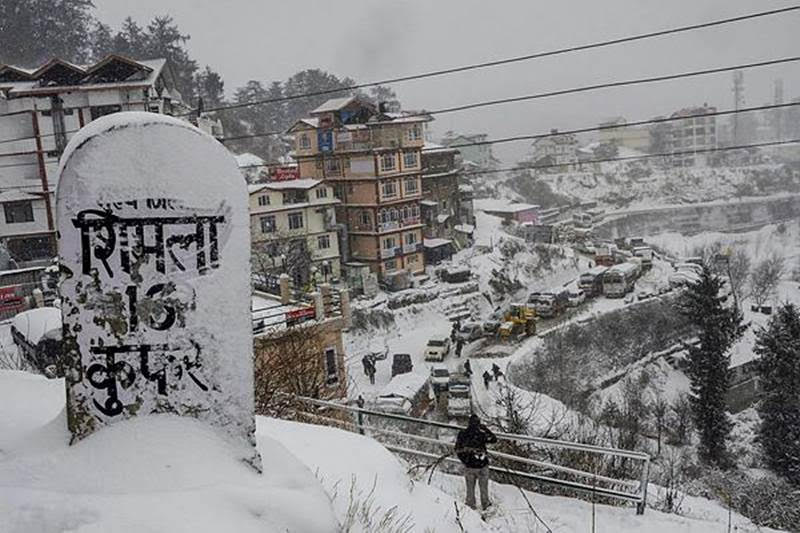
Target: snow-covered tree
x,y
778,346
719,326
764,279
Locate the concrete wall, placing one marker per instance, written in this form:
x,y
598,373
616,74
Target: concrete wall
x,y
691,219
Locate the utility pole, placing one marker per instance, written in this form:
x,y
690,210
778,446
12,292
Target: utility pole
x,y
777,116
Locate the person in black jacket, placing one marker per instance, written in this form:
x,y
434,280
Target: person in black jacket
x,y
471,451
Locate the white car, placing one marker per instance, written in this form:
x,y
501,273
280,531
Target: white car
x,y
440,378
437,348
682,278
575,297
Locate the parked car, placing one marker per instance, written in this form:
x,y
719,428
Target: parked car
x,y
437,348
440,378
401,364
471,331
681,278
575,297
459,396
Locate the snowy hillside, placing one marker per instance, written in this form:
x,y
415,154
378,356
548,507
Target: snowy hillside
x,y
177,475
643,184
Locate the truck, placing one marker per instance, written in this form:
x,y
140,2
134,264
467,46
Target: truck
x,y
645,253
550,303
604,254
437,348
459,396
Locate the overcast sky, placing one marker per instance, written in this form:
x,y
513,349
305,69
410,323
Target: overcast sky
x,y
367,40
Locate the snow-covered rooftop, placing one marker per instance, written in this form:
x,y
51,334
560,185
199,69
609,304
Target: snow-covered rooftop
x,y
334,104
435,243
305,184
405,385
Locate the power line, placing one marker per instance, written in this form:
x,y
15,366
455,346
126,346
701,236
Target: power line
x,y
505,61
583,130
529,136
636,157
560,92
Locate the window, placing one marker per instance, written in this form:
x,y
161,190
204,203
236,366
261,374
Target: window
x,y
18,212
411,238
412,258
322,192
303,142
295,197
263,200
390,265
103,110
267,224
389,243
331,370
387,162
337,191
411,186
389,189
410,160
295,220
324,242
414,133
365,219
332,167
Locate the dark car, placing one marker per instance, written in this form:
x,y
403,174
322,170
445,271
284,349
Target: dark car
x,y
401,364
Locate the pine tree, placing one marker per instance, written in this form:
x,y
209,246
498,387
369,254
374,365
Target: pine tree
x,y
778,346
719,327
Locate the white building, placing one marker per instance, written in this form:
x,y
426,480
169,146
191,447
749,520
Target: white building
x,y
40,110
555,150
689,138
293,228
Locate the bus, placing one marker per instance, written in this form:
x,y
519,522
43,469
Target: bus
x,y
619,280
591,281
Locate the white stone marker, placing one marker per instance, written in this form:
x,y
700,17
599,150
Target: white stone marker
x,y
154,240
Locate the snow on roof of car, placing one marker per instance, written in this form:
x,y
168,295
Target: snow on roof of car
x,y
35,323
405,385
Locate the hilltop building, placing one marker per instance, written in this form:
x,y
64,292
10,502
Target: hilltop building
x,y
372,159
689,136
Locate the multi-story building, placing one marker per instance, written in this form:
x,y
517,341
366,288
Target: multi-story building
x,y
40,110
689,136
441,204
473,148
293,229
372,158
616,130
555,150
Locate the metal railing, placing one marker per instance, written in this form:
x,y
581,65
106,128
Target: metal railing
x,y
626,490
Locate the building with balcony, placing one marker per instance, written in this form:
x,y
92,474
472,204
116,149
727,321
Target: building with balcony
x,y
447,203
294,231
372,160
473,148
40,110
689,136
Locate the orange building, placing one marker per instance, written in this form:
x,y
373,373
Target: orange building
x,y
372,158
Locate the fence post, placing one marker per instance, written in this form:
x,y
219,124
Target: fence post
x,y
283,281
319,305
325,290
344,302
641,506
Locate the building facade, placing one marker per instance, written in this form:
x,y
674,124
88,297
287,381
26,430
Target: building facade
x,y
372,159
293,229
691,135
480,155
441,204
40,110
615,130
556,150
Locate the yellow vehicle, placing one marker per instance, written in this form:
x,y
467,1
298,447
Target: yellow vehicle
x,y
520,319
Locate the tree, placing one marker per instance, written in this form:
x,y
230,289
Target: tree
x,y
33,31
764,279
660,410
732,264
680,419
313,81
289,362
161,38
778,346
282,254
210,87
719,326
381,94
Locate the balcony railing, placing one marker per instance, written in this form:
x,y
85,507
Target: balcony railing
x,y
412,248
389,226
412,221
388,253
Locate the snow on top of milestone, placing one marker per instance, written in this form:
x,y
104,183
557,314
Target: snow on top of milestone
x,y
247,159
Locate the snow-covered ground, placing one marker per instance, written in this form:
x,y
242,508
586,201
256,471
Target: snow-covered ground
x,y
165,474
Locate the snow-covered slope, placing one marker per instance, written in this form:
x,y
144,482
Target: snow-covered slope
x,y
167,474
158,473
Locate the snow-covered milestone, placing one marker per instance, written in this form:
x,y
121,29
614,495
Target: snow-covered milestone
x,y
154,246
